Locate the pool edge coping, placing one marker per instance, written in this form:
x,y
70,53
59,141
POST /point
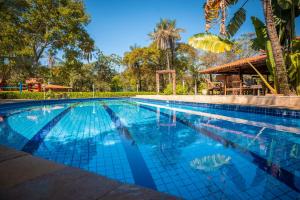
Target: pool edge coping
x,y
52,170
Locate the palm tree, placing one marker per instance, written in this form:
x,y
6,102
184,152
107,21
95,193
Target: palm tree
x,y
165,35
280,68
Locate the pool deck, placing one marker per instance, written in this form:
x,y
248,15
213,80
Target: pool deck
x,y
23,176
285,102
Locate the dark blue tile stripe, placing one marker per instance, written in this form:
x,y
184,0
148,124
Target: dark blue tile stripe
x,y
283,175
9,106
33,144
279,112
6,115
140,171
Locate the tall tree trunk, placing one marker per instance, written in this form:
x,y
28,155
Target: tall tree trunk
x,y
168,65
223,18
195,87
280,68
139,80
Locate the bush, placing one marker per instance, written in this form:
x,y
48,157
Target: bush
x,y
179,89
69,95
202,86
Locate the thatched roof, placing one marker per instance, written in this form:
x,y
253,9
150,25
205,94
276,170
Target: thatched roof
x,y
240,65
34,80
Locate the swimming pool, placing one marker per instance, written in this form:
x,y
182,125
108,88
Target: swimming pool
x,y
187,150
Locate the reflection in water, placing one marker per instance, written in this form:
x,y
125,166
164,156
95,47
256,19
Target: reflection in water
x,y
210,163
171,119
294,151
32,117
10,137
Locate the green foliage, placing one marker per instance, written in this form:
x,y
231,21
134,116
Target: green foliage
x,y
236,22
35,29
71,95
261,34
294,69
141,64
116,83
270,58
262,42
285,4
165,34
180,89
203,85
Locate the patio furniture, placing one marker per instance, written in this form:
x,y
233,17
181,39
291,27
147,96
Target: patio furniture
x,y
256,89
214,86
235,85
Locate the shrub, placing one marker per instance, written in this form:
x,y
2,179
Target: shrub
x,y
71,95
202,86
179,89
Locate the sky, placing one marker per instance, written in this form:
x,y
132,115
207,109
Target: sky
x,y
118,24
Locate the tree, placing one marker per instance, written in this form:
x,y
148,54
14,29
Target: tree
x,y
104,70
42,25
142,62
10,37
280,68
187,64
165,35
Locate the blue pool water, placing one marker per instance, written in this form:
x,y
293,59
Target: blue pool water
x,y
189,151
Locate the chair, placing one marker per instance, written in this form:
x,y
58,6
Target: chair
x,y
214,86
235,85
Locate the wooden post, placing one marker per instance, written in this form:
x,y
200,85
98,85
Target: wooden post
x,y
174,82
157,82
225,84
241,80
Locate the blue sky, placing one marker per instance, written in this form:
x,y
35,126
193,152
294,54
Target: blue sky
x,y
117,24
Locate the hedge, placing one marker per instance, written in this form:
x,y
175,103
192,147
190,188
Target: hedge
x,y
69,95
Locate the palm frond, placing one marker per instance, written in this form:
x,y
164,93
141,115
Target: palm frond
x,y
210,42
285,4
211,10
236,22
166,34
230,2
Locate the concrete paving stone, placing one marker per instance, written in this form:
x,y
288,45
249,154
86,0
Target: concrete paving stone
x,y
20,169
131,192
8,154
65,184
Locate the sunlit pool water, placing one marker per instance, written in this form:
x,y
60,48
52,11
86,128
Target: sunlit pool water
x,y
188,151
